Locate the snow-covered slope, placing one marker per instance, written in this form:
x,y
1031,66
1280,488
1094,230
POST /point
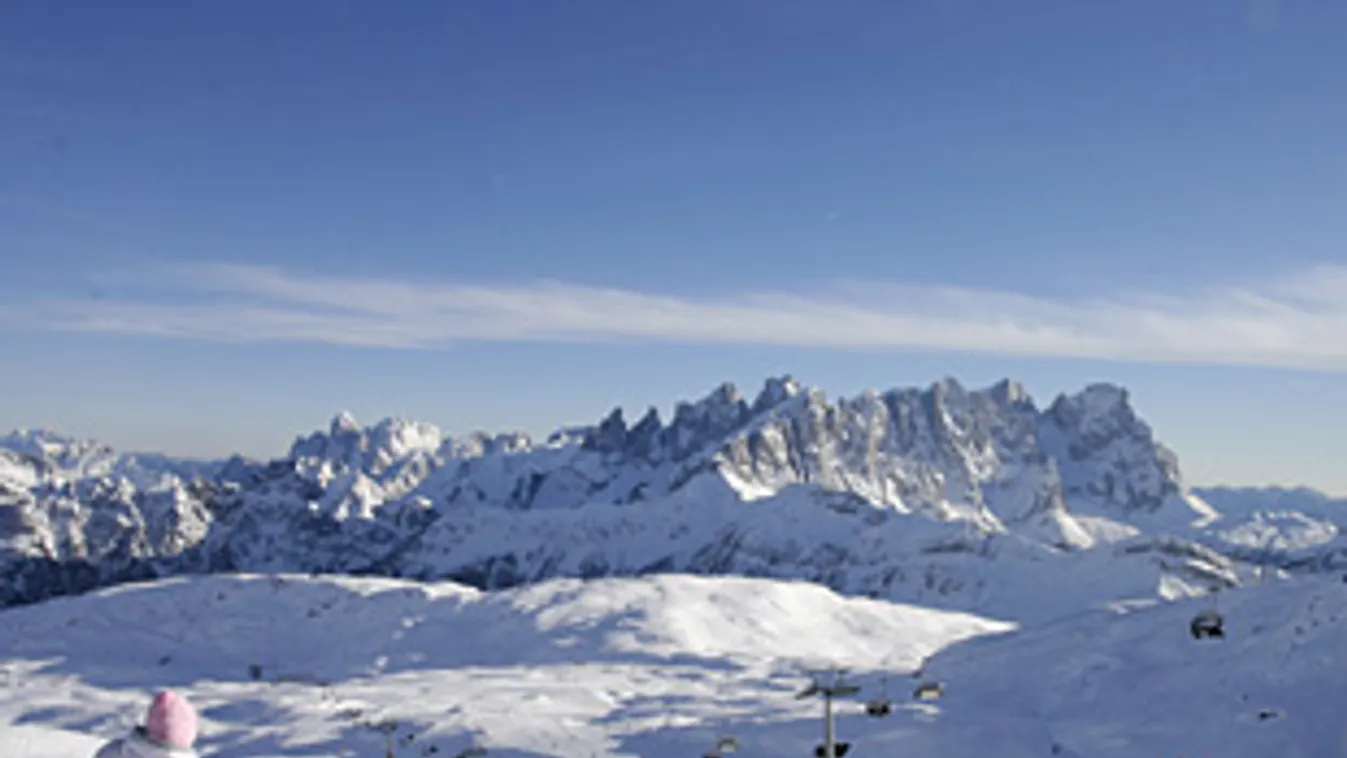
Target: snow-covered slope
x,y
37,742
1138,685
664,666
288,665
920,495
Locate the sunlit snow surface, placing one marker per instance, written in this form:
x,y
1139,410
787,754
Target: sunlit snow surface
x,y
663,666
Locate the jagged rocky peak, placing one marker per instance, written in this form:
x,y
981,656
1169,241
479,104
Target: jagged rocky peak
x,y
723,412
344,424
1098,415
19,471
240,470
694,426
348,443
60,450
1108,452
946,445
318,444
1009,392
610,436
341,431
724,408
776,391
479,444
400,437
1004,394
1098,398
946,387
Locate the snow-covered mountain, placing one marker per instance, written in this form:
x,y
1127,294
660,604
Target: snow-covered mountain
x,y
941,495
664,666
1295,528
1243,501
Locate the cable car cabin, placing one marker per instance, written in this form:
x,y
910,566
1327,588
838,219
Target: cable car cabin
x,y
878,707
928,691
1207,625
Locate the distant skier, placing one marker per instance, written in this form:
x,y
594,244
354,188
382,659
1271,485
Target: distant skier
x,y
169,731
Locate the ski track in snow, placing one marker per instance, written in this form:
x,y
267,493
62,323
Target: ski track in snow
x,y
663,666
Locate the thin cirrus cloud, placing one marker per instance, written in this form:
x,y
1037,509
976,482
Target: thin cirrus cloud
x,y
1298,321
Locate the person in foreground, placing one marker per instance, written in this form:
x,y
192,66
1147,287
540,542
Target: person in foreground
x,y
169,731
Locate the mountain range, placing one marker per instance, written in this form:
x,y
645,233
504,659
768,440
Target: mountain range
x,y
943,496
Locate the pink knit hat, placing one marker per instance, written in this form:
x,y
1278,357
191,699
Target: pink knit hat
x,y
171,721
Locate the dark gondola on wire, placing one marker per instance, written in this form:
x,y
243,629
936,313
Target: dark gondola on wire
x,y
1208,624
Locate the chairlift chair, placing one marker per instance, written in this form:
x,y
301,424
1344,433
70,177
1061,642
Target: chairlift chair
x,y
724,746
880,706
928,690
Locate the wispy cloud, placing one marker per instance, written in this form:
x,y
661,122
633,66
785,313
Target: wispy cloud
x,y
1298,321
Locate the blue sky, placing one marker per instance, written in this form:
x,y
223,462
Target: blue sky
x,y
222,223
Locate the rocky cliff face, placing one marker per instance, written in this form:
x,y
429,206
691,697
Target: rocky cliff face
x,y
910,493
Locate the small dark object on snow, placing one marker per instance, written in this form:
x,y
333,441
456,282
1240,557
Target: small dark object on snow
x,y
1207,625
165,659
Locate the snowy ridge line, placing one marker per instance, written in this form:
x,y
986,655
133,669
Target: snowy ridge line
x,y
923,495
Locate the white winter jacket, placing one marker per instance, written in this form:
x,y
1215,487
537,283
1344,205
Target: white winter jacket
x,y
137,745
